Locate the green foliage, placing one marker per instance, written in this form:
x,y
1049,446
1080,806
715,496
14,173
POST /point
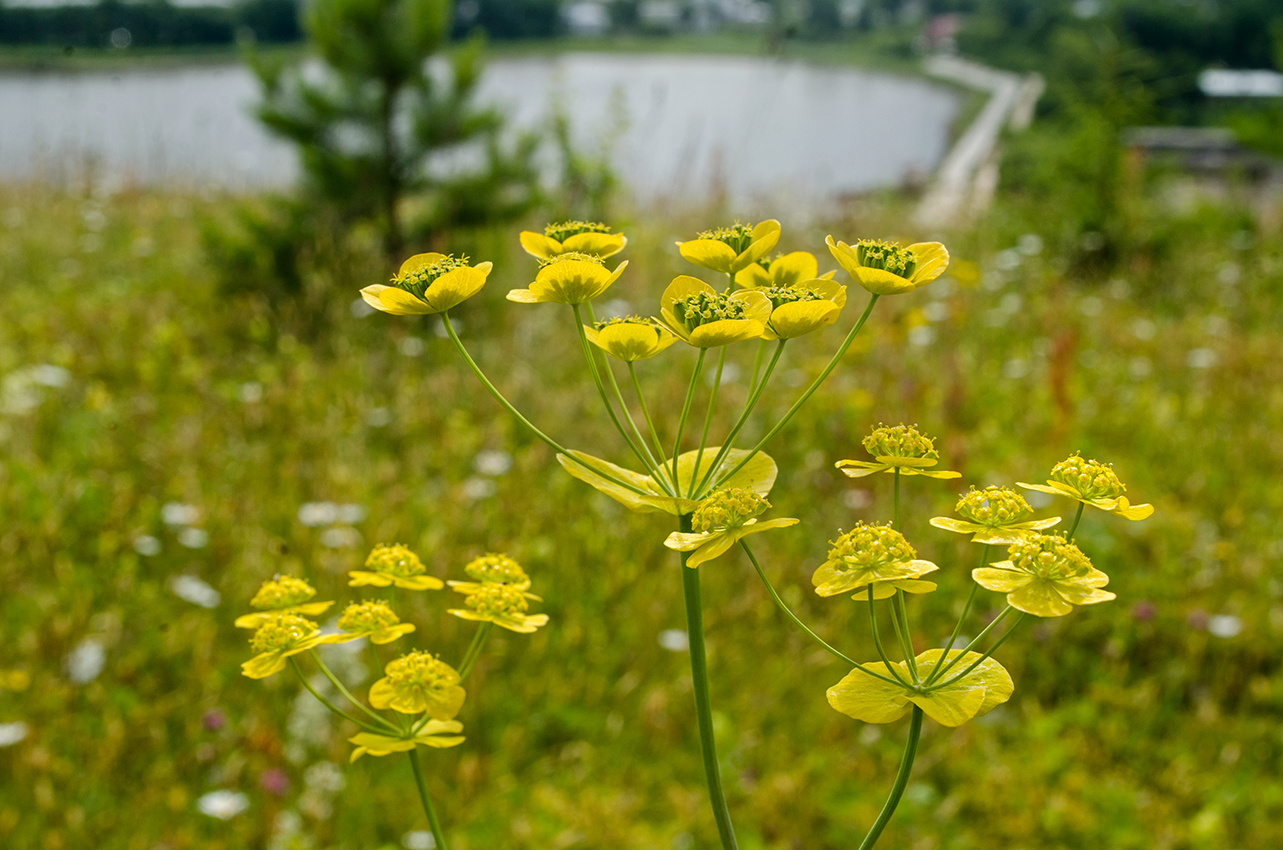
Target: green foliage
x,y
152,24
1133,725
384,135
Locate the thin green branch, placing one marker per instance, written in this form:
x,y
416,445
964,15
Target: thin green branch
x,y
474,651
334,680
901,780
877,642
681,423
749,405
435,825
988,652
708,420
331,706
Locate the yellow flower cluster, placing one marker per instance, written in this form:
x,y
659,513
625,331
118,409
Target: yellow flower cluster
x,y
502,605
373,619
875,557
282,595
394,565
428,283
277,638
994,515
1092,483
720,521
898,448
419,682
1046,576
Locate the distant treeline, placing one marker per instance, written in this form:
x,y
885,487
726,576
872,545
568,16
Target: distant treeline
x,y
161,24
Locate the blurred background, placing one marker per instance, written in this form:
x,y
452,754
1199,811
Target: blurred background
x,y
192,399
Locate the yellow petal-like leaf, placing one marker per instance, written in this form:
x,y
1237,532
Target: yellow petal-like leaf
x,y
932,259
882,282
871,700
725,332
1040,598
1000,578
417,262
538,245
599,244
709,254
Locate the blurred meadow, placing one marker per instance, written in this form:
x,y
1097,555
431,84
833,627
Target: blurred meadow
x,y
172,435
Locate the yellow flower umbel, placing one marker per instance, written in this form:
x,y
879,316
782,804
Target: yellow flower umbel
x,y
434,733
1091,483
1046,576
279,637
799,309
580,237
721,521
902,448
428,283
872,555
419,682
872,700
502,605
396,565
281,595
994,515
492,568
788,270
730,250
569,279
374,619
706,318
630,338
885,268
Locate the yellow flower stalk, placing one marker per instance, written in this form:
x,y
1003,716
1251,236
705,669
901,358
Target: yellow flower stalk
x,y
705,318
630,338
644,495
434,733
282,595
876,555
872,700
720,522
394,565
279,637
428,283
419,683
1092,483
569,279
1046,576
788,270
373,619
578,237
885,268
492,568
994,515
502,605
902,448
802,308
730,250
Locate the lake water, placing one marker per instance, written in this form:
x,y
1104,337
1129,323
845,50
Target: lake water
x,y
678,126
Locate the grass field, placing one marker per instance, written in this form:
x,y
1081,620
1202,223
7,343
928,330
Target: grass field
x,y
1150,722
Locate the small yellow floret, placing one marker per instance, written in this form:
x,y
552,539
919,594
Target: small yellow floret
x,y
282,592
899,441
498,601
281,632
738,236
493,568
562,231
417,280
1094,480
700,308
993,506
888,256
1049,556
372,616
572,256
869,547
727,508
395,560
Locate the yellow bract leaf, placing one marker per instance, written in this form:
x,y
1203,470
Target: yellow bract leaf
x,y
757,475
863,697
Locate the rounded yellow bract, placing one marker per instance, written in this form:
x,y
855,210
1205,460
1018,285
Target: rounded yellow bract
x,y
428,283
571,278
730,250
630,338
373,619
994,515
419,682
582,237
279,637
871,556
1092,483
1046,576
502,605
282,595
787,270
949,702
394,565
705,318
722,520
434,733
492,568
801,308
899,448
885,268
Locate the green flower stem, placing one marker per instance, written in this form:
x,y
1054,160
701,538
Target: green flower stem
x,y
343,690
988,652
650,423
507,405
901,780
906,635
877,641
966,609
949,665
438,834
810,391
1077,518
331,706
686,409
708,418
645,458
474,651
749,405
793,617
757,364
703,706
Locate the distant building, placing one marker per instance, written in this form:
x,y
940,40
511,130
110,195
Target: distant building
x,y
1206,151
1221,82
